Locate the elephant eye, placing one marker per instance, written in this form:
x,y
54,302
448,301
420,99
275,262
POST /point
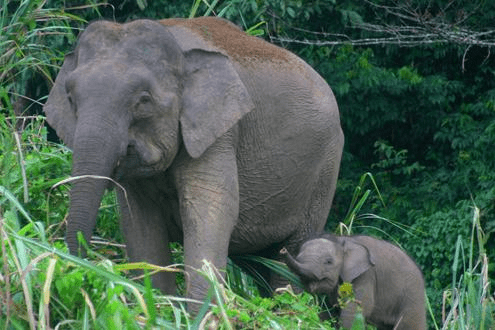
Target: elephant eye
x,y
328,261
144,98
71,103
144,106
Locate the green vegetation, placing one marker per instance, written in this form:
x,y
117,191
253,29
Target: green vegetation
x,y
419,121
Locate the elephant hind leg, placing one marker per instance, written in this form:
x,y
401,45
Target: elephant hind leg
x,y
321,198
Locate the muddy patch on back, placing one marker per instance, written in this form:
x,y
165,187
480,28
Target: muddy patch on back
x,y
227,36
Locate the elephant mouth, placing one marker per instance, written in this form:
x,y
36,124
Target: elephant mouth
x,y
320,286
131,165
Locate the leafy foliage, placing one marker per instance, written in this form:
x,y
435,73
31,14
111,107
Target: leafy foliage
x,y
41,284
420,121
31,37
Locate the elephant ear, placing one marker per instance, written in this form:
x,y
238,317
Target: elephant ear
x,y
214,98
57,108
357,260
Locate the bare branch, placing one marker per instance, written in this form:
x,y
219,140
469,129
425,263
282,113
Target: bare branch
x,y
416,27
400,40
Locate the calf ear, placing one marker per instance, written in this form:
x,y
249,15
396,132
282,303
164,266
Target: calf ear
x,y
57,108
357,260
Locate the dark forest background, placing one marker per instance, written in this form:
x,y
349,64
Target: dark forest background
x,y
415,83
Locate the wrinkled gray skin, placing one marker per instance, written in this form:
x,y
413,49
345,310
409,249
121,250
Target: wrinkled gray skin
x,y
225,150
387,283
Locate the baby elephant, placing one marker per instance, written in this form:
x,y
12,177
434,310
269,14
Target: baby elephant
x,y
387,284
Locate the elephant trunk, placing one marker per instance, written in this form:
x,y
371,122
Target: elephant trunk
x,y
96,151
304,271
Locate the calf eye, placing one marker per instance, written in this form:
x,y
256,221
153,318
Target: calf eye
x,y
328,261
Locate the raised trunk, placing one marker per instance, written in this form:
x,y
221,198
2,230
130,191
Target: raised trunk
x,y
97,148
302,270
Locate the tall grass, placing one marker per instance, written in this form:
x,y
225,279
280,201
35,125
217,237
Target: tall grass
x,y
31,38
43,287
470,303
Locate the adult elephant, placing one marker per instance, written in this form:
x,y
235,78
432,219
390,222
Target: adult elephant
x,y
221,140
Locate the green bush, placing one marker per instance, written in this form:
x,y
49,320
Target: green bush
x,y
419,120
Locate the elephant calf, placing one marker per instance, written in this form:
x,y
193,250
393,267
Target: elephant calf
x,y
387,284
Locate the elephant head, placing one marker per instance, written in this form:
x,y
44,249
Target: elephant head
x,y
323,263
129,97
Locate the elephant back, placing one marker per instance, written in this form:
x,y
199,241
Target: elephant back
x,y
226,36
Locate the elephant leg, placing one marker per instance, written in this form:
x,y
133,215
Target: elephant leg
x,y
208,193
316,209
145,229
412,318
363,288
348,314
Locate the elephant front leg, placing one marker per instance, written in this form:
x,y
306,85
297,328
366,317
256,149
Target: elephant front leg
x,y
146,232
348,315
209,208
364,300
